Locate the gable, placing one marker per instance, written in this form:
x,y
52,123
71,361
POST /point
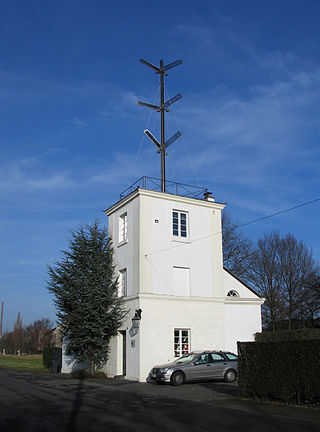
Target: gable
x,y
232,282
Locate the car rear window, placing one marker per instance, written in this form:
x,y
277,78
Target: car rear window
x,y
231,356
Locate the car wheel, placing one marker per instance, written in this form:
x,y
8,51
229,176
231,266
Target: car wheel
x,y
177,378
230,375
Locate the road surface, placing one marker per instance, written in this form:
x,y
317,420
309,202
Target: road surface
x,y
45,402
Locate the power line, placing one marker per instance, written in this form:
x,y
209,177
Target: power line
x,y
279,212
237,226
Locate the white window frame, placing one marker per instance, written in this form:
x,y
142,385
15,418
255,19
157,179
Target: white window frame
x,y
181,342
123,228
122,288
179,227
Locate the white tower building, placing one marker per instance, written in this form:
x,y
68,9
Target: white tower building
x,y
168,255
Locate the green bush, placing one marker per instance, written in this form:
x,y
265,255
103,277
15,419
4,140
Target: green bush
x,y
47,357
282,370
50,354
282,335
83,374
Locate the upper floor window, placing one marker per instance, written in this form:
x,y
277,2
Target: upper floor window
x,y
179,224
123,227
122,282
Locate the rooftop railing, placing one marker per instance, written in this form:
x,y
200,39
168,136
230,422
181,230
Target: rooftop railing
x,y
171,188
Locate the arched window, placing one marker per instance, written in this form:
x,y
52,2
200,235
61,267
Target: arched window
x,y
233,293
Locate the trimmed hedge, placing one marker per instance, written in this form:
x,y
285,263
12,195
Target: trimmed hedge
x,y
282,370
50,354
84,374
281,335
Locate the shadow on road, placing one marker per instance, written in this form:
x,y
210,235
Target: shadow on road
x,y
76,408
221,387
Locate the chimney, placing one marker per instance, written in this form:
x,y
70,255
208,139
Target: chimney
x,y
208,197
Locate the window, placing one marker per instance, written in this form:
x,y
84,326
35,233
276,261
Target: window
x,y
217,357
123,227
231,356
233,293
181,342
122,283
179,224
204,358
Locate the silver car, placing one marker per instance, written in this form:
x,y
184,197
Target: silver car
x,y
196,366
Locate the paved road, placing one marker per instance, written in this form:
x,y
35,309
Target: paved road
x,y
44,402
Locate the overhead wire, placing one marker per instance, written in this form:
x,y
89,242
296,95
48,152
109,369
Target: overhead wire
x,y
238,226
142,138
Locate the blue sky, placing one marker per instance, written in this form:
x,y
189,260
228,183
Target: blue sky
x,y
71,133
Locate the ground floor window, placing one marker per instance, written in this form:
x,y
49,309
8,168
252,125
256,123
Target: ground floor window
x,y
181,342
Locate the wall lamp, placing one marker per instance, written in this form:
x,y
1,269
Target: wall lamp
x,y
135,322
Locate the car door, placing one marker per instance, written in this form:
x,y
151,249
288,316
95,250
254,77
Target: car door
x,y
201,368
219,365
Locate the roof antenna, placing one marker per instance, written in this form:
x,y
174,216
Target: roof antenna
x,y
163,145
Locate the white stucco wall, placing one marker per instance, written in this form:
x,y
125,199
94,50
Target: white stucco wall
x,y
69,364
242,321
242,314
163,314
160,251
114,364
125,253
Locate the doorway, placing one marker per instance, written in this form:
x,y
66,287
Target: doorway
x,y
124,351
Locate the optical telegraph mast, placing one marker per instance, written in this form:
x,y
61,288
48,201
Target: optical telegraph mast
x,y
162,108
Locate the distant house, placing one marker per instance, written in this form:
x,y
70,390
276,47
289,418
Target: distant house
x,y
55,337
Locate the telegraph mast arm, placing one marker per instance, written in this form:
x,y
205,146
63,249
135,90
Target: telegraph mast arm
x,y
150,65
147,105
152,139
172,100
173,138
163,144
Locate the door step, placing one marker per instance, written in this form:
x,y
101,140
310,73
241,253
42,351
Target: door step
x,y
119,377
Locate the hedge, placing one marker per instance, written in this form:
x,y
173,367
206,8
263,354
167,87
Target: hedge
x,y
282,370
50,354
281,335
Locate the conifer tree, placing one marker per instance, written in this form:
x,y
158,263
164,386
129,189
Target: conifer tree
x,y
86,295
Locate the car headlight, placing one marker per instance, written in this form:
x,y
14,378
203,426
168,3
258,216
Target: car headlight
x,y
163,370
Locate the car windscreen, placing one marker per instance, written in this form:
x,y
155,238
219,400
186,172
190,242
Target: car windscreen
x,y
187,358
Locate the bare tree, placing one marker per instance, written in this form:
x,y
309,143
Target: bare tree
x,y
297,271
237,249
310,302
27,339
283,272
17,335
265,275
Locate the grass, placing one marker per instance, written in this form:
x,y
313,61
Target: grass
x,y
24,363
